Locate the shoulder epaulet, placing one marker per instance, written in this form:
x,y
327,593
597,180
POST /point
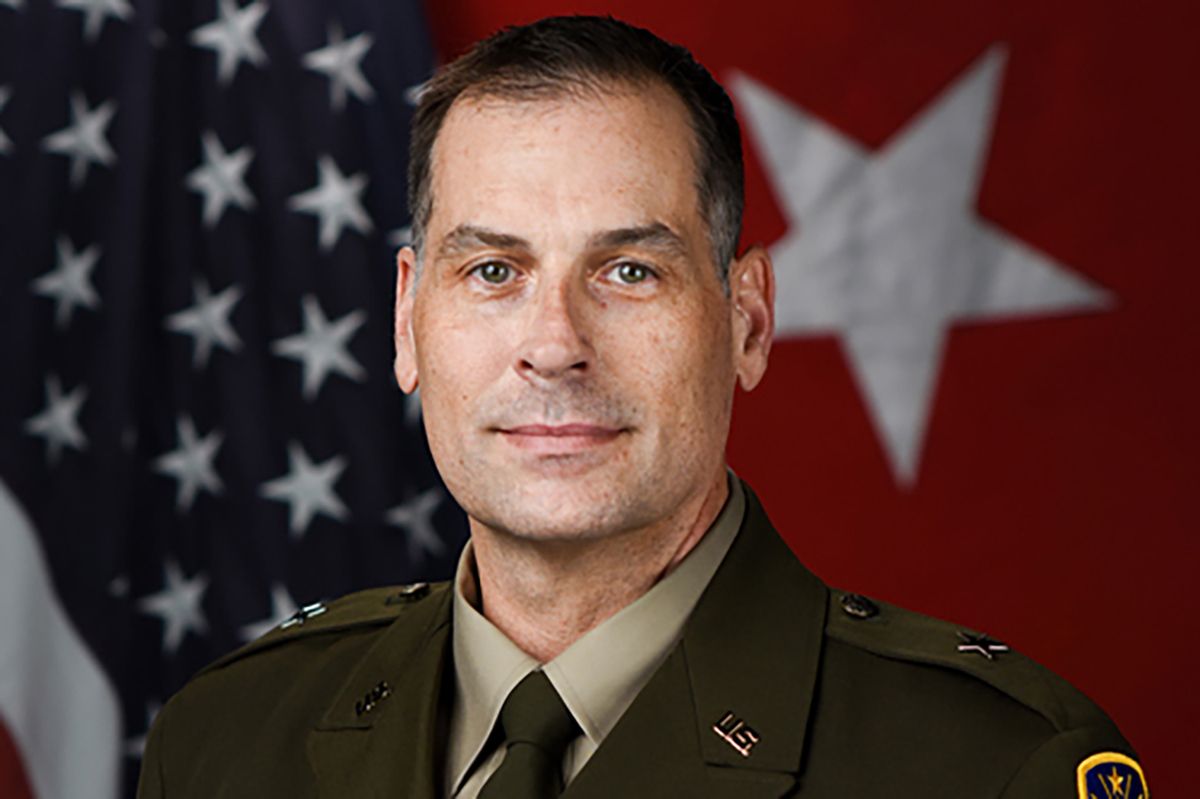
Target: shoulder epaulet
x,y
372,607
900,634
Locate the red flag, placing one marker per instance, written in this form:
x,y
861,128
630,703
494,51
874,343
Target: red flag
x,y
982,399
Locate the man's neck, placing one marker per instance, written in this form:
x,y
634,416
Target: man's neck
x,y
546,595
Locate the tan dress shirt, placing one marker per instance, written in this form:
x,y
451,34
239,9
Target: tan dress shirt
x,y
598,676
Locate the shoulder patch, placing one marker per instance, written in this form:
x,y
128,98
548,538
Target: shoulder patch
x,y
1111,775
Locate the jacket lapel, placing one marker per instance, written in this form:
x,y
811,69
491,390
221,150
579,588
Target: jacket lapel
x,y
376,741
726,714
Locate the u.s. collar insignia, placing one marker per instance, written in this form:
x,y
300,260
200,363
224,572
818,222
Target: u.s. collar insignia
x,y
1111,775
737,733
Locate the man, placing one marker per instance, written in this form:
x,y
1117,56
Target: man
x,y
624,621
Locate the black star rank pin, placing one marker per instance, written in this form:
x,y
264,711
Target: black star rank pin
x,y
981,644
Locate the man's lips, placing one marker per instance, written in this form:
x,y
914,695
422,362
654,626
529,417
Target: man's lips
x,y
561,430
559,439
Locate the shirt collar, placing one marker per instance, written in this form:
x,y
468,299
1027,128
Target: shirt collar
x,y
600,674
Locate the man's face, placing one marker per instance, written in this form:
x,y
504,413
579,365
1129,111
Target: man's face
x,y
574,347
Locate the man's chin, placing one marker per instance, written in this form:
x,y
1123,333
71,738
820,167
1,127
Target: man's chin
x,y
560,510
564,464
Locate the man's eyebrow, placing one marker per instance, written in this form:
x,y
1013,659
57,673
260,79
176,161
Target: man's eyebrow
x,y
656,235
468,237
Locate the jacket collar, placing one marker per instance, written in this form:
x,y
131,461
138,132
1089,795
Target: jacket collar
x,y
378,735
749,657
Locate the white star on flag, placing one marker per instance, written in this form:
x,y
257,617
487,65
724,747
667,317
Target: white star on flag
x,y
58,424
282,608
83,140
208,321
178,605
221,179
886,249
336,201
401,236
232,37
95,12
416,517
5,142
70,283
308,489
321,347
136,746
191,463
340,62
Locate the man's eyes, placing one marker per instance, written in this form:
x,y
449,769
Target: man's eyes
x,y
624,273
630,273
496,273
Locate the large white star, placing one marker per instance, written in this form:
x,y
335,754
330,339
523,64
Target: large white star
x,y
232,37
5,142
336,200
308,489
58,424
70,283
416,517
178,605
83,140
208,321
191,463
221,179
282,608
886,249
321,347
340,62
95,12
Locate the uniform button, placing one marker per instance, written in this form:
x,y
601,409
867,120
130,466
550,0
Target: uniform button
x,y
408,593
858,606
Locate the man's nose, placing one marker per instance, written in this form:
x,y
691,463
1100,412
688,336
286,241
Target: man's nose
x,y
555,342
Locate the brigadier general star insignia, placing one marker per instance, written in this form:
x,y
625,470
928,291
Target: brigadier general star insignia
x,y
981,644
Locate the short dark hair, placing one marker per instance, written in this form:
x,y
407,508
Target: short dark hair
x,y
572,54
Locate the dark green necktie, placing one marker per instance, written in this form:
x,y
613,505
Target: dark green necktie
x,y
537,728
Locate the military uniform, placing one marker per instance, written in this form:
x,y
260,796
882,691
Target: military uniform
x,y
779,687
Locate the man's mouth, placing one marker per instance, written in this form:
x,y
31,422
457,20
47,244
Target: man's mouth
x,y
560,439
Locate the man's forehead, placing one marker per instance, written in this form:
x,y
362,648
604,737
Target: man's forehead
x,y
622,159
532,99
664,116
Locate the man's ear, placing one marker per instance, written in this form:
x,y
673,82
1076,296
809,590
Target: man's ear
x,y
752,298
406,353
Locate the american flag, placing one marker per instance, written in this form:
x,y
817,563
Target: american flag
x,y
199,430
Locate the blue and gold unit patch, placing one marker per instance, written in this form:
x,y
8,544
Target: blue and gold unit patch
x,y
1111,775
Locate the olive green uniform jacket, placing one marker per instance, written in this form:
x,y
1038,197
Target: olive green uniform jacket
x,y
779,687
